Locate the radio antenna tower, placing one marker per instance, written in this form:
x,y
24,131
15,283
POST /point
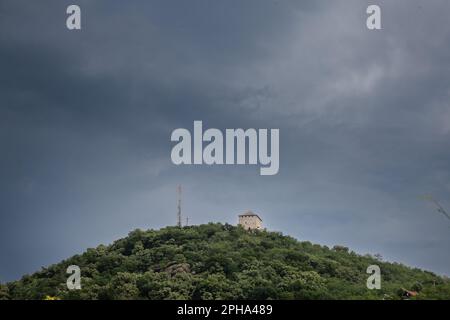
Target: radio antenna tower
x,y
179,206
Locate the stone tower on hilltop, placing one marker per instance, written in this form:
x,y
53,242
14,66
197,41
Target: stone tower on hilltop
x,y
250,221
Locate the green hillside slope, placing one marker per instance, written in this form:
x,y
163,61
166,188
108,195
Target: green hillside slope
x,y
216,261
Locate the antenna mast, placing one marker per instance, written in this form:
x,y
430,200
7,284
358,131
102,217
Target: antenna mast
x,y
179,206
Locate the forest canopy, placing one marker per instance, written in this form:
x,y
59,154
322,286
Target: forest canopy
x,y
217,261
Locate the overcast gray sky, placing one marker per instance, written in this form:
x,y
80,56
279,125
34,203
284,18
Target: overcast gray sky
x,y
86,118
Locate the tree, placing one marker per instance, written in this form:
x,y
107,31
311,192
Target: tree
x,y
4,292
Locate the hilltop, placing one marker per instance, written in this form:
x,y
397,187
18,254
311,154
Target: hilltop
x,y
216,261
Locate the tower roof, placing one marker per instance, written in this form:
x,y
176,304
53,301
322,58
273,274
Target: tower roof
x,y
251,214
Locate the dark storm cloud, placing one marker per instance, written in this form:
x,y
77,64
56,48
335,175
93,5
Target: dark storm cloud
x,y
86,118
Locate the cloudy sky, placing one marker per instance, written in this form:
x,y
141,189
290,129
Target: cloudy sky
x,y
86,118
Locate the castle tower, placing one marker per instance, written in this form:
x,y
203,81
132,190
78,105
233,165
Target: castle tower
x,y
250,221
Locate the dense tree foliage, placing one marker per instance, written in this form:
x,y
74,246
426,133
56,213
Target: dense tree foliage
x,y
216,261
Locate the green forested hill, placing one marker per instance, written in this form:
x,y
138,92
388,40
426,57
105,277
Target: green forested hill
x,y
216,261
